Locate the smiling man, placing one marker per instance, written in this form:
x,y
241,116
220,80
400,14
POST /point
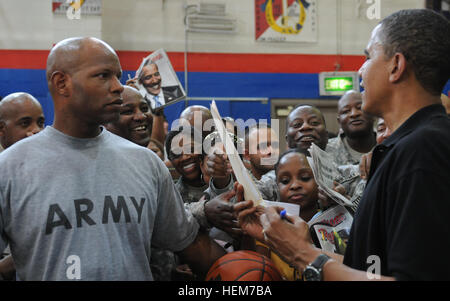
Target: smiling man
x,y
357,137
184,151
306,125
135,121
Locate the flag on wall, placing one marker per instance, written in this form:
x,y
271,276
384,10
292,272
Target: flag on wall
x,y
286,20
88,7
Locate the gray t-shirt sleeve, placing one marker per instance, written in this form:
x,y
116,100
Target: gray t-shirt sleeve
x,y
175,228
2,234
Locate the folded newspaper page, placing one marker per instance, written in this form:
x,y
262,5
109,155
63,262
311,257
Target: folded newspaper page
x,y
334,221
241,173
325,172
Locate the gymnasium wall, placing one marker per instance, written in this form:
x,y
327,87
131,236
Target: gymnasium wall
x,y
218,65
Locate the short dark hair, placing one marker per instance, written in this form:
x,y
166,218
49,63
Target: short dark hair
x,y
423,37
298,150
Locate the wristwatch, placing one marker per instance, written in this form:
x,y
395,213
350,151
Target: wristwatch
x,y
313,271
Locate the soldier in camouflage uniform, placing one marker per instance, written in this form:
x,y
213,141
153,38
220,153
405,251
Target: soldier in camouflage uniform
x,y
357,136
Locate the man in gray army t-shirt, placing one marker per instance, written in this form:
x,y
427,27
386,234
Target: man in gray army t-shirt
x,y
79,203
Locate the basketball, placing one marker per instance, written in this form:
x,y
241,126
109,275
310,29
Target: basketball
x,y
243,266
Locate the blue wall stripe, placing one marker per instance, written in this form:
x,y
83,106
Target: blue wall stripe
x,y
201,84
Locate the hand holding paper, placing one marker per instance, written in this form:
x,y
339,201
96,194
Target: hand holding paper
x,y
241,173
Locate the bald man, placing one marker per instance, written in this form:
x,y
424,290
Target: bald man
x,y
100,201
305,125
135,121
21,116
199,117
357,137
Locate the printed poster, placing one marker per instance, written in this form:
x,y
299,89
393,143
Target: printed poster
x,y
286,20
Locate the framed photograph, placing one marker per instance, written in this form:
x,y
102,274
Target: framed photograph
x,y
157,81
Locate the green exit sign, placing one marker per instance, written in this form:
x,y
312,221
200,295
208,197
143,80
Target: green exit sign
x,y
337,83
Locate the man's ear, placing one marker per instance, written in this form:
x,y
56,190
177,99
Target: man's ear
x,y
397,67
61,83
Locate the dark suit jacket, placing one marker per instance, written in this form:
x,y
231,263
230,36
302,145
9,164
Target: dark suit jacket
x,y
171,93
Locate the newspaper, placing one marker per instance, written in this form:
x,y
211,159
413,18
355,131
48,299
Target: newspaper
x,y
157,78
325,172
332,224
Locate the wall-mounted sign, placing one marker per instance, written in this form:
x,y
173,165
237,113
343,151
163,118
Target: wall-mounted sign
x,y
337,83
286,20
80,7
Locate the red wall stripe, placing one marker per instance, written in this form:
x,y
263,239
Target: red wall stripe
x,y
206,62
23,59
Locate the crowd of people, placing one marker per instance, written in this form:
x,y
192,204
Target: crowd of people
x,y
107,192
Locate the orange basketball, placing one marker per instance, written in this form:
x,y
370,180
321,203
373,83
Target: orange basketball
x,y
243,266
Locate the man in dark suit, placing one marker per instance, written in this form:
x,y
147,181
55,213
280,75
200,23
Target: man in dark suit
x,y
156,95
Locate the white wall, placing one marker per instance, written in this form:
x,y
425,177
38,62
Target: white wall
x,y
159,24
145,25
30,24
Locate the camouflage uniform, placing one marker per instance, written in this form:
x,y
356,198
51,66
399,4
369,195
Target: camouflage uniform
x,y
268,187
348,166
341,152
191,197
190,194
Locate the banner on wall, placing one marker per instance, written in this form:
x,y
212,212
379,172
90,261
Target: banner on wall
x,y
285,20
88,7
